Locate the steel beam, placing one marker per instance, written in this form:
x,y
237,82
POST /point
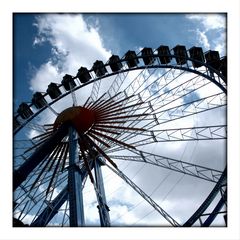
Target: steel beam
x,y
75,181
100,191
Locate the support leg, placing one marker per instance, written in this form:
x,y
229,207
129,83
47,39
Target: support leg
x,y
102,207
75,183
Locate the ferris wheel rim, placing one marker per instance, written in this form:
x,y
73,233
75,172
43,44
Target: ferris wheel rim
x,y
161,66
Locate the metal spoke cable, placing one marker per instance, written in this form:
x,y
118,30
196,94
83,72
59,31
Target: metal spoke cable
x,y
142,201
145,196
132,177
167,194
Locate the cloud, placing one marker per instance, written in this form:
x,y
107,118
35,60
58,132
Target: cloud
x,y
210,30
74,44
209,21
202,38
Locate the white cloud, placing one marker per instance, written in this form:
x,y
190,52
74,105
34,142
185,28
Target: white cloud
x,y
74,44
46,74
209,21
202,38
207,24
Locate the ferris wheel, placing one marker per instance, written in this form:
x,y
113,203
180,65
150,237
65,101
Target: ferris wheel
x,y
136,141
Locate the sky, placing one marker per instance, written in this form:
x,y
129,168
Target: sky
x,y
47,46
52,45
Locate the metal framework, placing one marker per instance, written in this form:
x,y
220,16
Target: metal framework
x,y
51,169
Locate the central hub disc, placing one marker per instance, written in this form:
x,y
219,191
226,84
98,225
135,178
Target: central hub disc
x,y
81,118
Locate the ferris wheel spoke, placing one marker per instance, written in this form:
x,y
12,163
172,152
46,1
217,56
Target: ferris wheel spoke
x,y
178,93
121,77
117,83
95,90
29,204
159,209
191,108
111,104
74,99
180,134
92,104
35,126
54,205
56,170
38,156
143,88
52,109
175,113
187,168
117,111
87,103
181,111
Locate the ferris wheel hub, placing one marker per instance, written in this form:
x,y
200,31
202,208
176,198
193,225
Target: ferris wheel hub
x,y
79,117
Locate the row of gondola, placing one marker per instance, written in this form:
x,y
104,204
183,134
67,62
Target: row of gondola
x,y
163,53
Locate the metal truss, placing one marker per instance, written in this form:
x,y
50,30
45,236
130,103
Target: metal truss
x,y
178,112
187,109
95,90
193,170
117,83
218,132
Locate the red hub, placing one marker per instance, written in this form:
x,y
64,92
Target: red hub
x,y
81,118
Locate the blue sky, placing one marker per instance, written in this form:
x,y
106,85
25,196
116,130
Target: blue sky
x,y
36,44
46,47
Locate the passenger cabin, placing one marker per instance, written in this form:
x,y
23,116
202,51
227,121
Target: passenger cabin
x,y
213,59
99,68
181,54
38,100
131,59
147,55
53,90
196,53
115,63
223,67
24,111
68,82
164,54
83,75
